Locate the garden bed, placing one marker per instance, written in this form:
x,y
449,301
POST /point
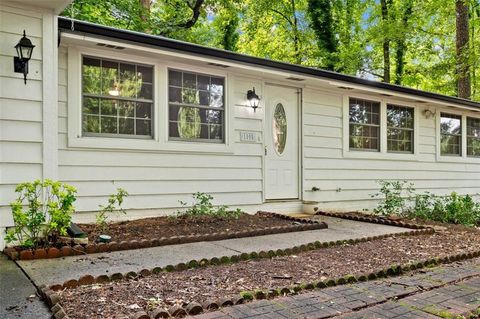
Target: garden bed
x,y
164,290
161,231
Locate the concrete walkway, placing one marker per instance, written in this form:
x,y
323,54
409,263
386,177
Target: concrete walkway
x,y
52,271
17,294
444,292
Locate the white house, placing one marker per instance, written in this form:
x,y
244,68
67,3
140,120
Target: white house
x,y
104,108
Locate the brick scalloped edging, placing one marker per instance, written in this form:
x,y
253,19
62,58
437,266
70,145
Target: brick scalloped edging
x,y
68,250
373,220
245,296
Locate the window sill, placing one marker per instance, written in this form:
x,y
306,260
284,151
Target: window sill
x,y
458,159
380,155
147,145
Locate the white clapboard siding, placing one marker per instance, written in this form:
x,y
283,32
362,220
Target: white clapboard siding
x,y
348,183
156,179
21,129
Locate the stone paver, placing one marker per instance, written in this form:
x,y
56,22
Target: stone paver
x,y
440,292
17,294
52,271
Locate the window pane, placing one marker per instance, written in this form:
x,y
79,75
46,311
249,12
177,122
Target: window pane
x,y
116,87
451,134
216,92
400,128
190,96
109,77
145,74
108,107
364,112
108,124
91,124
190,80
144,110
175,78
126,109
90,106
146,92
175,94
473,137
196,109
126,126
203,82
451,124
364,124
144,127
91,75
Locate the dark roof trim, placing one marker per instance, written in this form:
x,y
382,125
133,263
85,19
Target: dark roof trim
x,y
65,25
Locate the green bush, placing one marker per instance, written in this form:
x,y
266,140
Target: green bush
x,y
115,202
41,213
203,207
392,194
455,209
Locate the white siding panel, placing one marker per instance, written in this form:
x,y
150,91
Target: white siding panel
x,y
116,173
14,173
169,201
20,110
21,152
20,131
146,159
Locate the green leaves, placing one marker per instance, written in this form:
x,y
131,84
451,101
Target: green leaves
x,y
114,203
399,198
203,207
42,212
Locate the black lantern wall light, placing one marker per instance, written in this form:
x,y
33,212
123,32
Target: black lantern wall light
x,y
24,49
253,99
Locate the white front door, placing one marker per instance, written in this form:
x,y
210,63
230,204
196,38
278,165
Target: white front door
x,y
282,143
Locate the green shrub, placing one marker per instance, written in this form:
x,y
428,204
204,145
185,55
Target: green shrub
x,y
41,213
115,202
203,207
392,194
455,209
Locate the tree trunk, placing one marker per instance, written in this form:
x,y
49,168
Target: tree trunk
x,y
386,43
462,50
145,4
401,44
296,40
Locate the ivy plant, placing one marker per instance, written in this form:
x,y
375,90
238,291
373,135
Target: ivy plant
x,y
41,213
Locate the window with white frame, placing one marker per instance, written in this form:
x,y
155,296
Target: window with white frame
x,y
196,107
473,137
450,134
400,129
117,98
364,128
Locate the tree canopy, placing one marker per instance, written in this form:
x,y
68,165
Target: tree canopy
x,y
431,45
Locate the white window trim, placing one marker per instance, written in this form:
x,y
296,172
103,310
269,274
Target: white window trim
x,y
159,141
452,158
383,153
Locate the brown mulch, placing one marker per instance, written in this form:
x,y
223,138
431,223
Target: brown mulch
x,y
156,227
122,298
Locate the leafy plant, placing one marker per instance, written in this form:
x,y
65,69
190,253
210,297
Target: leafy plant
x,y
393,194
114,203
203,207
41,213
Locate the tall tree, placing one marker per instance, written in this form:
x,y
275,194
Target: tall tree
x,y
462,49
385,6
400,41
320,13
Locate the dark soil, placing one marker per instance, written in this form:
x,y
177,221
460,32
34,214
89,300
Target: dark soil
x,y
156,227
122,298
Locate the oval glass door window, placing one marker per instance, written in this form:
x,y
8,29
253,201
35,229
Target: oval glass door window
x,y
279,128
